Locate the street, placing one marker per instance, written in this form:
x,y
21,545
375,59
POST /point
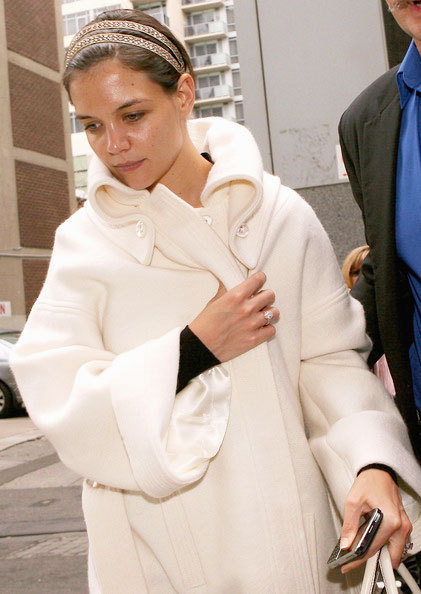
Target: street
x,y
43,542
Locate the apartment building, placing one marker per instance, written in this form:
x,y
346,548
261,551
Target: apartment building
x,y
206,27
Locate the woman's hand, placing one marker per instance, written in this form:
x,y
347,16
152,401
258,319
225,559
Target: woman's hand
x,y
233,322
376,488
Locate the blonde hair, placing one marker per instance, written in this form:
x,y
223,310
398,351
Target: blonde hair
x,y
352,264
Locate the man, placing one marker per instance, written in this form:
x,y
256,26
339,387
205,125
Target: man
x,y
381,145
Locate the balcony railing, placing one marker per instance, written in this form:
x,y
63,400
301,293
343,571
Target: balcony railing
x,y
218,60
193,4
215,28
218,92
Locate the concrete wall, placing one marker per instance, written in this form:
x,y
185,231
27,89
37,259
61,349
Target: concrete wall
x,y
302,63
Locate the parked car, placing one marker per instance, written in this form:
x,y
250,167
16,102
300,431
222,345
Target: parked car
x,y
10,399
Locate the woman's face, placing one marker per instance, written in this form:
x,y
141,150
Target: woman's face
x,y
132,124
354,273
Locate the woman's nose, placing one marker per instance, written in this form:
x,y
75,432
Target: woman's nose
x,y
117,141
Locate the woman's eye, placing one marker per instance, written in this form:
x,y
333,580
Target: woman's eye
x,y
134,117
91,127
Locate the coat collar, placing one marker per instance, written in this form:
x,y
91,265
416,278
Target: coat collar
x,y
237,165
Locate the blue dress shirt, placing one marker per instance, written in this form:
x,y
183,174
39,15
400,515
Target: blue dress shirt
x,y
408,196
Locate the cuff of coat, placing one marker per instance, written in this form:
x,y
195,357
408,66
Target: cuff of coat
x,y
380,467
195,358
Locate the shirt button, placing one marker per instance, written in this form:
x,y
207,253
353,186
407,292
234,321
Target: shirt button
x,y
140,229
207,219
242,231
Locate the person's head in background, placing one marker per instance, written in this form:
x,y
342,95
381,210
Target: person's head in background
x,y
351,267
407,14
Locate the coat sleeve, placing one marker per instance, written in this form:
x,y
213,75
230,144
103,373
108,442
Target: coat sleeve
x,y
351,419
364,290
115,418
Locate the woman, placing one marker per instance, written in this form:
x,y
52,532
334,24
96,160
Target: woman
x,y
351,267
200,428
351,270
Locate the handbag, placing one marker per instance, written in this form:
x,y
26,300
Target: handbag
x,y
381,565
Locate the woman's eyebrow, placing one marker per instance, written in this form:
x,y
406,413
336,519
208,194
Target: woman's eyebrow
x,y
130,103
127,104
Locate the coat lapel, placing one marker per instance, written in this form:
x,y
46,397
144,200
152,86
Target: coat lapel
x,y
380,142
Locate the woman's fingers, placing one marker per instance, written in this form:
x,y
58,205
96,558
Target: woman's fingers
x,y
375,488
399,539
268,315
233,322
262,299
248,288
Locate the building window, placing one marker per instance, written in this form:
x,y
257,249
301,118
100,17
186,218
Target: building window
x,y
207,112
212,80
75,125
72,23
158,11
198,18
233,51
203,49
236,82
98,11
239,112
230,18
80,168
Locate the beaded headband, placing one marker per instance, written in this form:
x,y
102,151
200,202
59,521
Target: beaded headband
x,y
101,34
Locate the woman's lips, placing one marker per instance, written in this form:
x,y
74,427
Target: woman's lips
x,y
129,166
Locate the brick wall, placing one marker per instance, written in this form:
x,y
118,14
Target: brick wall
x,y
43,203
34,273
36,109
31,30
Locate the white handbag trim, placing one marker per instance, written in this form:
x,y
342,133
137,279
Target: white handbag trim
x,y
382,559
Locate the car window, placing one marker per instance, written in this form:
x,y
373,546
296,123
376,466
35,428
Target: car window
x,y
11,337
4,349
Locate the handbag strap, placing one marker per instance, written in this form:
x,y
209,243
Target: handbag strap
x,y
408,579
370,573
387,571
382,560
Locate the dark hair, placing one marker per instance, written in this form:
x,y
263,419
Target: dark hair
x,y
136,58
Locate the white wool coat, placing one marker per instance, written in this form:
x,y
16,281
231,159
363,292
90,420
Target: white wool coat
x,y
235,484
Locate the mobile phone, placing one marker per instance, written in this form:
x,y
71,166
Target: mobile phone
x,y
361,543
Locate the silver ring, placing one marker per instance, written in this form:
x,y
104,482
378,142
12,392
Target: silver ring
x,y
407,547
268,315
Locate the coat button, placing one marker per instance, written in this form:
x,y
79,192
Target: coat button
x,y
207,219
140,229
242,231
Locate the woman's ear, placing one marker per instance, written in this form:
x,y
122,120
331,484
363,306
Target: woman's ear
x,y
186,94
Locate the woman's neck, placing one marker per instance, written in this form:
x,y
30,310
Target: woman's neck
x,y
189,174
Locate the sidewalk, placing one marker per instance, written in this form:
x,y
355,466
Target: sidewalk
x,y
17,430
43,541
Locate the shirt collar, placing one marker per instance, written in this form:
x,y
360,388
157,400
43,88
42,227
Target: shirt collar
x,y
409,74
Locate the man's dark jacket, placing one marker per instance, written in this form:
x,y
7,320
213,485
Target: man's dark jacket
x,y
369,135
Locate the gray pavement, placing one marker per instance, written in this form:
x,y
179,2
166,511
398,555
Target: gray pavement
x,y
43,542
